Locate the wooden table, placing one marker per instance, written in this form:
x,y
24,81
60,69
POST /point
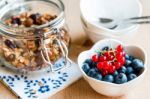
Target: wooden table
x,y
81,89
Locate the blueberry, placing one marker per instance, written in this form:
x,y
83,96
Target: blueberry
x,y
89,61
108,78
94,64
120,78
86,68
127,57
98,76
16,21
131,77
115,73
131,57
106,48
92,73
122,69
128,62
137,64
129,70
96,69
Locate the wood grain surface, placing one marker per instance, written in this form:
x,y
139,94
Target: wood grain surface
x,y
81,89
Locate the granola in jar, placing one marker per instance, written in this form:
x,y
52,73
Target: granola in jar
x,y
24,52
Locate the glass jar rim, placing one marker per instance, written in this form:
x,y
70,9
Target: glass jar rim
x,y
60,17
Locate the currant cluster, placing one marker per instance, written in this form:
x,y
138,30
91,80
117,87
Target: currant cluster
x,y
109,60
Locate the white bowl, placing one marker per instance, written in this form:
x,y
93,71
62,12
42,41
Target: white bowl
x,y
91,10
96,36
112,89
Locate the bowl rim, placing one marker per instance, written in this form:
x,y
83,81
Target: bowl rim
x,y
111,30
109,83
108,33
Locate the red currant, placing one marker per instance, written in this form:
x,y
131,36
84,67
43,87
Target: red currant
x,y
117,65
111,53
123,53
110,57
95,58
119,48
104,73
100,65
106,65
102,58
112,69
122,60
119,55
106,54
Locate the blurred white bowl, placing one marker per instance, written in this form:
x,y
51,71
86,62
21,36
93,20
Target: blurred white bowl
x,y
97,35
112,89
92,10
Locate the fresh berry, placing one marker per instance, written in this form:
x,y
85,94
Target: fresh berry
x,y
86,67
94,64
115,73
108,78
128,63
98,77
92,72
119,48
129,70
104,72
95,58
137,64
96,70
106,48
123,54
122,60
119,55
127,57
106,54
122,69
110,57
131,57
106,65
131,77
102,58
89,61
121,78
117,64
100,65
112,69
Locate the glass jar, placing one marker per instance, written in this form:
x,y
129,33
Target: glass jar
x,y
33,35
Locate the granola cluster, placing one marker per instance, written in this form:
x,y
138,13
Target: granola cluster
x,y
26,53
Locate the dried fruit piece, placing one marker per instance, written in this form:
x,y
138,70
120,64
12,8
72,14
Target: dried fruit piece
x,y
10,44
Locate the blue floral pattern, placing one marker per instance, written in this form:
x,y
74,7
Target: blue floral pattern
x,y
33,86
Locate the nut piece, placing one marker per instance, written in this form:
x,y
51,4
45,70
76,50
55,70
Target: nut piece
x,y
11,57
28,22
31,45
